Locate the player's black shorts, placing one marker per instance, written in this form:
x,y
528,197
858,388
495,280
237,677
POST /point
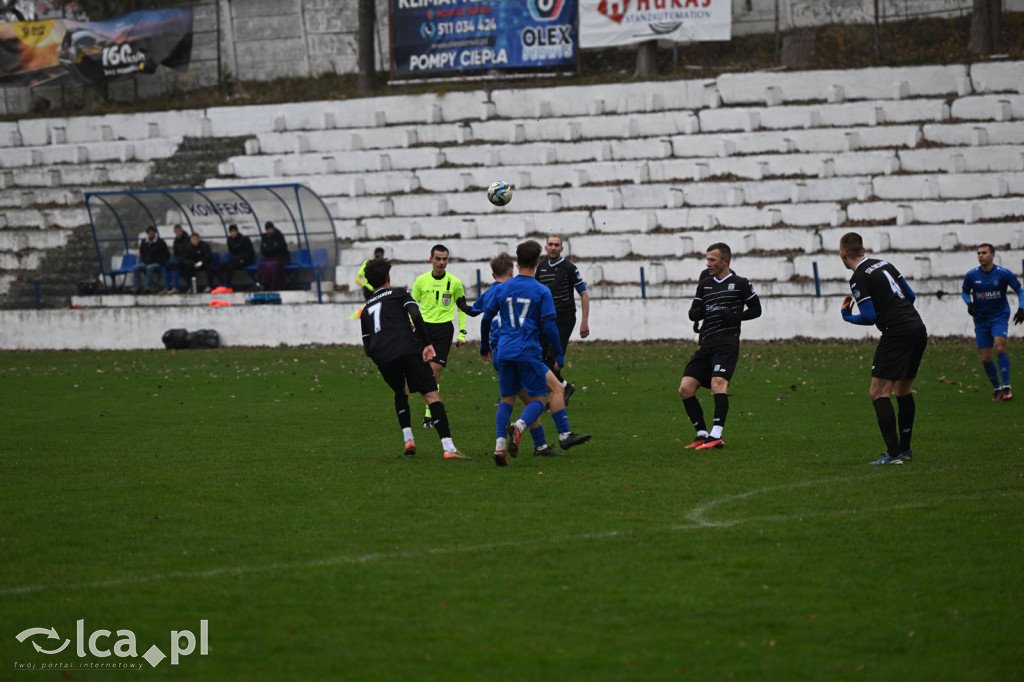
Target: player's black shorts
x,y
898,357
713,361
411,371
440,335
566,324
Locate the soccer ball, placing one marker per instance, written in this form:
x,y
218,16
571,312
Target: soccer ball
x,y
499,193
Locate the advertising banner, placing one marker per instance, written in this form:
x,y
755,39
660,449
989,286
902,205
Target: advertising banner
x,y
607,23
35,52
431,37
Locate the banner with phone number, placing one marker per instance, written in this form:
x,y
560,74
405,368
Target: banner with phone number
x,y
437,36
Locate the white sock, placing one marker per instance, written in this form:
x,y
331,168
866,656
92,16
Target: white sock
x,y
565,382
407,433
520,425
716,432
448,445
499,444
702,434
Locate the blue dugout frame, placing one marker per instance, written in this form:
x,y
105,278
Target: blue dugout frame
x,y
120,218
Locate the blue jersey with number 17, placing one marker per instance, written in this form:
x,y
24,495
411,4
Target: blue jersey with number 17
x,y
523,304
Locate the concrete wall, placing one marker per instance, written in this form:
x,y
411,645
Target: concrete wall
x,y
329,324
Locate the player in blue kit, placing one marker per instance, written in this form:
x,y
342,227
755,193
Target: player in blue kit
x,y
502,267
984,292
526,310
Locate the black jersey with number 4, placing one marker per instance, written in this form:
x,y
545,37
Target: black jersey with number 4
x,y
878,281
387,334
723,300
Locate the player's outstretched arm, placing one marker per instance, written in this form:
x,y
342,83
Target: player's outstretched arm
x,y
585,309
905,286
753,309
867,312
413,311
429,353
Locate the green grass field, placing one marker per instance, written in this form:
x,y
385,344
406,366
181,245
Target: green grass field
x,y
263,491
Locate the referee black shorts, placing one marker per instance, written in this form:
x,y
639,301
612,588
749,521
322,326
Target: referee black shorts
x,y
440,335
898,356
713,361
411,371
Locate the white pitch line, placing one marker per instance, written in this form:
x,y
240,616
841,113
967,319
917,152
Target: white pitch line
x,y
696,517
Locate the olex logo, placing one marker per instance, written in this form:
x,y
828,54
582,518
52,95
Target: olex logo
x,y
102,644
545,10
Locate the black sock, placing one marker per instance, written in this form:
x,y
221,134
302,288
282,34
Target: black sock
x,y
721,409
440,419
402,410
905,403
695,413
887,425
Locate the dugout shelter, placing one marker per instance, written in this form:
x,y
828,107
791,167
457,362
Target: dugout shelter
x,y
119,220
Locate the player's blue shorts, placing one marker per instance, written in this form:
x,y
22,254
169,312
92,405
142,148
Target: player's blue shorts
x,y
516,374
988,328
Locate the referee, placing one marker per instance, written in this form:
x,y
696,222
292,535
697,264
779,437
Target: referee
x,y
440,296
562,277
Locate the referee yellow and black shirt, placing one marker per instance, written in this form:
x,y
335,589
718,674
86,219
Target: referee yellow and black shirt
x,y
437,299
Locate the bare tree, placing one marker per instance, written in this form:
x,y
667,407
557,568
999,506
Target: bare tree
x,y
986,27
367,68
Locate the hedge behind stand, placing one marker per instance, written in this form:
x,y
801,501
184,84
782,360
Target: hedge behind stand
x,y
177,339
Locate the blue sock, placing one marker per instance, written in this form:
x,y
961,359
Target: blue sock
x,y
539,440
501,419
561,420
1004,368
532,412
990,370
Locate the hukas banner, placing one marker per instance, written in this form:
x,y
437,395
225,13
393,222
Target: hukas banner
x,y
35,52
437,36
606,23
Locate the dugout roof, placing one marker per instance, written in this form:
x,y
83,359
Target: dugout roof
x,y
120,218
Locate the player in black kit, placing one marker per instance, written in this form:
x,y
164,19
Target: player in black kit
x,y
886,300
723,300
563,278
401,353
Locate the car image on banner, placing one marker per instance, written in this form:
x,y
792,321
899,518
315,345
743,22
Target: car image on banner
x,y
93,52
430,37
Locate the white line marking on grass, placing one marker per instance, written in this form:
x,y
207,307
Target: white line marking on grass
x,y
697,518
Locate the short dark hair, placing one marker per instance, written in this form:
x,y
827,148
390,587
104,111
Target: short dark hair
x,y
438,247
990,247
151,227
528,253
377,271
852,244
232,228
502,264
723,250
378,252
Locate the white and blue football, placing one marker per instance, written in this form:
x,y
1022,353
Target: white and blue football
x,y
499,193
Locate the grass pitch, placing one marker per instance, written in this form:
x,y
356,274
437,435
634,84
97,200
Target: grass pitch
x,y
264,491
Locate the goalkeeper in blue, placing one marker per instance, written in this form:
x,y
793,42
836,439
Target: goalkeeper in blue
x,y
984,292
526,310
